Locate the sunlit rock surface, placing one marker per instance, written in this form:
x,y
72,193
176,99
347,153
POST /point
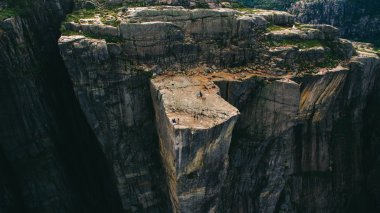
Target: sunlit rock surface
x,y
195,127
283,79
85,137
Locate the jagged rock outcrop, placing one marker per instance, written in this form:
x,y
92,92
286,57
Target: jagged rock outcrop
x,y
116,102
50,161
195,127
82,134
356,19
300,143
295,84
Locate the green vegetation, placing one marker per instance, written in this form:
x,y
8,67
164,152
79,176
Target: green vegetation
x,y
135,4
202,5
82,14
20,4
248,10
107,16
7,13
237,5
140,4
15,8
298,43
110,20
267,4
276,28
329,61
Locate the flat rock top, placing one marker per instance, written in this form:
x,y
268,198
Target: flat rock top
x,y
193,101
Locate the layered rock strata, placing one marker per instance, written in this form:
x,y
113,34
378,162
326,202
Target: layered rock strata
x,y
356,19
84,139
50,160
294,84
116,102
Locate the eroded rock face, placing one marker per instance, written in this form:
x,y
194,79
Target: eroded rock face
x,y
294,88
261,158
167,35
356,19
82,137
195,127
327,132
118,108
50,160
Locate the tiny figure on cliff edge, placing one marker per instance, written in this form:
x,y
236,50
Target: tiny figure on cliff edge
x,y
173,121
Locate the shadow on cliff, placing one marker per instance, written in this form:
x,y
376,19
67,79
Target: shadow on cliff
x,y
58,165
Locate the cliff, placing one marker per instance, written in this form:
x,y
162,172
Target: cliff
x,y
301,92
50,160
195,127
171,109
357,19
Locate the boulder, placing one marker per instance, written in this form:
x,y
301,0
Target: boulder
x,y
330,32
277,17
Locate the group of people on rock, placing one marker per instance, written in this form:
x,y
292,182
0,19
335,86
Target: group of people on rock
x,y
174,121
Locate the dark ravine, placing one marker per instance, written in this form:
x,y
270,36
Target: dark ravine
x,y
52,161
80,132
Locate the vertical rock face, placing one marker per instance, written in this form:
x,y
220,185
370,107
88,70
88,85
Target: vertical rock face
x,y
110,79
50,161
310,154
371,143
293,99
261,157
330,141
195,127
83,135
116,102
357,19
167,36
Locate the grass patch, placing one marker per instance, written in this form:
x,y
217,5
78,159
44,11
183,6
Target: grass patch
x,y
82,14
110,21
17,8
203,5
330,61
7,13
276,28
107,16
269,4
237,5
143,4
300,44
248,10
